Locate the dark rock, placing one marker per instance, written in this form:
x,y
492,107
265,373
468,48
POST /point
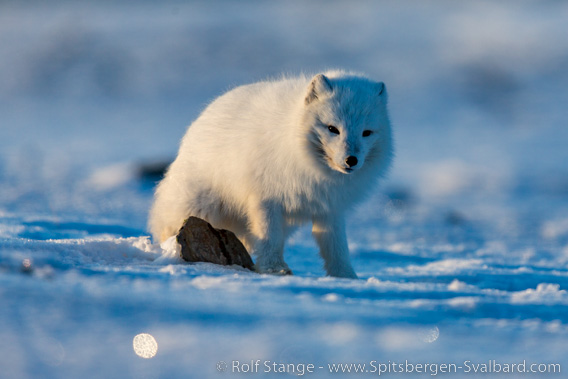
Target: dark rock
x,y
201,242
153,171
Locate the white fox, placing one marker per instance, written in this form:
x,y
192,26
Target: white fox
x,y
264,158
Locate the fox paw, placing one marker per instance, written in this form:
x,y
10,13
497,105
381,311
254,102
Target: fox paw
x,y
342,272
277,270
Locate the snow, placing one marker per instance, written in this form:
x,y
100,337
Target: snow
x,y
462,253
545,293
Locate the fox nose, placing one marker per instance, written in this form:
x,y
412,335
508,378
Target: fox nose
x,y
351,161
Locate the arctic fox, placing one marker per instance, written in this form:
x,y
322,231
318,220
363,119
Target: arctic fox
x,y
264,158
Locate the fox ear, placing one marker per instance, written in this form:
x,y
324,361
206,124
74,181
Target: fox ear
x,y
319,87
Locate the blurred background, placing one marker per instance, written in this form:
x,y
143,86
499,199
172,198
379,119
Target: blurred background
x,y
468,236
477,89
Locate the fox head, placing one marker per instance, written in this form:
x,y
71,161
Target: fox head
x,y
349,125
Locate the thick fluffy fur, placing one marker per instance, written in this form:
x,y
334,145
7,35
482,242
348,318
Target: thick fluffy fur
x,y
263,159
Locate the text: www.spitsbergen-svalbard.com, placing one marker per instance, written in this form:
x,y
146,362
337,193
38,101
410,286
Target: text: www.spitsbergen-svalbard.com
x,y
390,367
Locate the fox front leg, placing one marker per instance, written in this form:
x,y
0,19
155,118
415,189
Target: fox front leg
x,y
267,231
331,238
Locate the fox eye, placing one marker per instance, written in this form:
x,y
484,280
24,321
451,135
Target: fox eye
x,y
333,129
367,133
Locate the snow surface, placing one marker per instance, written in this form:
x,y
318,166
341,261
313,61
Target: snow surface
x,y
462,252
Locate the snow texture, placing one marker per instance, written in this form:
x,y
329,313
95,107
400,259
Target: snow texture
x,y
462,252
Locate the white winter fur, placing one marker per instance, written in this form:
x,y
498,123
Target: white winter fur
x,y
261,160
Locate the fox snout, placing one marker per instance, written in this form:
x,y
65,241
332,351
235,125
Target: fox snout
x,y
351,161
350,165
